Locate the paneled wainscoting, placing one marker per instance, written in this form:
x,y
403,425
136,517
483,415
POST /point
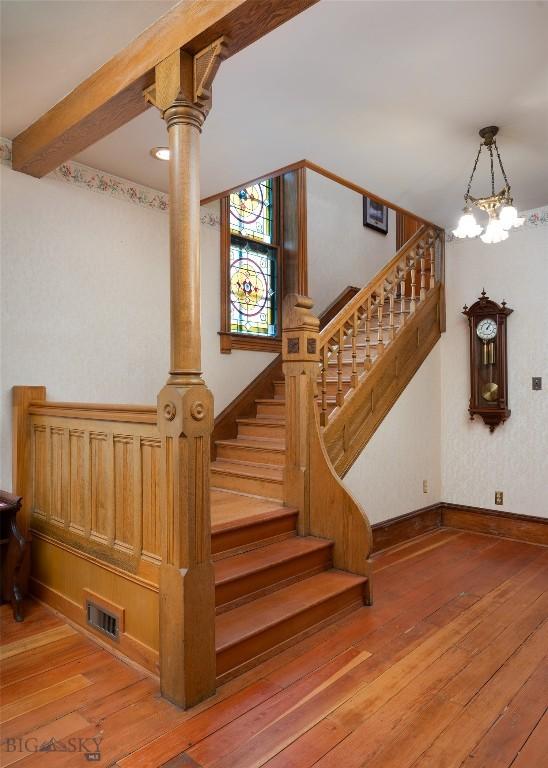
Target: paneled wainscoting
x,y
447,668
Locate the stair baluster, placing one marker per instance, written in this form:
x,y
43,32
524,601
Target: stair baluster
x,y
380,329
340,354
354,375
367,361
413,301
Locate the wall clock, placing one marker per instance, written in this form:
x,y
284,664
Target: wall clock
x,y
488,360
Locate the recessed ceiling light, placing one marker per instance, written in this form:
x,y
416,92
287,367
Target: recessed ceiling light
x,y
160,153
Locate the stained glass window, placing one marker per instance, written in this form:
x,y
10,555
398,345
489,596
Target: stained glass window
x,y
251,211
253,265
253,306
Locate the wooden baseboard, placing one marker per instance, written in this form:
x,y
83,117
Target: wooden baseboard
x,y
533,530
388,533
396,530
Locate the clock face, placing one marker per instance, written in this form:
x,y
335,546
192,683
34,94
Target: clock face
x,y
486,329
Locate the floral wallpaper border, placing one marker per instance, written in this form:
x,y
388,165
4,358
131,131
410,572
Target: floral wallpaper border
x,y
84,177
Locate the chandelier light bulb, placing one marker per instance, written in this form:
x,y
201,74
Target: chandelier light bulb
x,y
494,232
508,216
467,226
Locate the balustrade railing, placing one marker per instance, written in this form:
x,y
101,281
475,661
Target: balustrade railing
x,y
359,334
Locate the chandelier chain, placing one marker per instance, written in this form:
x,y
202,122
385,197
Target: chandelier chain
x,y
467,195
492,170
501,165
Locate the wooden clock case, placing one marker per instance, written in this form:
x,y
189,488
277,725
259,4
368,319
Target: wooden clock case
x,y
483,375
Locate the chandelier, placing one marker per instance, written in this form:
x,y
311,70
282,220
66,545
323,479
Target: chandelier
x,y
499,206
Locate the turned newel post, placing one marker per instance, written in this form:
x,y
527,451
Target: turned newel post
x,y
185,406
301,357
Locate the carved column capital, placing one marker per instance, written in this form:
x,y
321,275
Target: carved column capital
x,y
184,112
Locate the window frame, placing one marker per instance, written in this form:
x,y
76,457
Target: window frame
x,y
229,339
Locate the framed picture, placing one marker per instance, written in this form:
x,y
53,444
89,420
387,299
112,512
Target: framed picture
x,y
375,215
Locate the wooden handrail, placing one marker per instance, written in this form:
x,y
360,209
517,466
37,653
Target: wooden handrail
x,y
328,175
373,317
347,311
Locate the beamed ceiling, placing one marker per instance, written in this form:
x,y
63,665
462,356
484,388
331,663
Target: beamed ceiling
x,y
387,94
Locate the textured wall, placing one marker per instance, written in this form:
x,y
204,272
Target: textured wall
x,y
514,459
84,303
341,251
387,478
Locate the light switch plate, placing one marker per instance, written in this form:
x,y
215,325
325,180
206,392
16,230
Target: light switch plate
x,y
536,382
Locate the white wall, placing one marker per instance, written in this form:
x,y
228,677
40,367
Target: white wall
x,y
387,478
84,300
341,251
514,459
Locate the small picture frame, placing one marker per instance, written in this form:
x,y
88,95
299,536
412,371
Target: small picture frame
x,y
375,215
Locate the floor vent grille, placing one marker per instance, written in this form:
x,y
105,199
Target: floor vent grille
x,y
100,619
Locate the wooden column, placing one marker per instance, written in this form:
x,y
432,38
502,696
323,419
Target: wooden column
x,y
301,357
294,233
21,483
185,405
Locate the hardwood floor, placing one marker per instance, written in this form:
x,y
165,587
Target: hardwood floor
x,y
448,668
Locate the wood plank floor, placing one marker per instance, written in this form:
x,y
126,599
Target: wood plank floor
x,y
448,668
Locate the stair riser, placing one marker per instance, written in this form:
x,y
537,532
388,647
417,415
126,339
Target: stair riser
x,y
274,431
271,409
253,535
251,647
279,389
270,489
269,579
255,455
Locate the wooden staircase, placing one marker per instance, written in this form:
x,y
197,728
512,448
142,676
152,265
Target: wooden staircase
x,y
272,588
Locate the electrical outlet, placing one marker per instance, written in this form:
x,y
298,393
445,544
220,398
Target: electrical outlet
x,y
498,497
536,383
425,486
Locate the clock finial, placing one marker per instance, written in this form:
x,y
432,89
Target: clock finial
x,y
483,292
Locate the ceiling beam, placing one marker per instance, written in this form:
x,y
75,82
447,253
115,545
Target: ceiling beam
x,y
113,95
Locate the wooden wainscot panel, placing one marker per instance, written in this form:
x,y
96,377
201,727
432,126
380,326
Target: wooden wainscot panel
x,y
80,521
124,493
349,431
101,476
95,515
150,473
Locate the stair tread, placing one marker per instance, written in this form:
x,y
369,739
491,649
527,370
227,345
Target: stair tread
x,y
248,469
259,559
251,520
272,609
270,400
272,421
260,443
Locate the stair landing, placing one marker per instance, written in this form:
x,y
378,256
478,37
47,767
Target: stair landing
x,y
228,506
